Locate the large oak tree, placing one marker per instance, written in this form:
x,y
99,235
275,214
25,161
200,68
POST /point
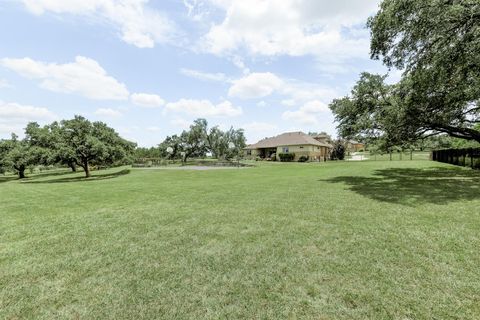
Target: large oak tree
x,y
437,45
91,143
18,155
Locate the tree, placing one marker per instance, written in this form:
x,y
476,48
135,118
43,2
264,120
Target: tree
x,y
219,142
199,139
193,141
235,137
18,155
437,44
170,142
372,111
338,152
92,143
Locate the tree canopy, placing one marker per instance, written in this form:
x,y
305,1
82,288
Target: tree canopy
x,y
92,143
69,142
18,155
436,43
199,139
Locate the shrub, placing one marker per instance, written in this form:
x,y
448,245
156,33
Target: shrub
x,y
257,158
303,159
286,157
273,157
338,152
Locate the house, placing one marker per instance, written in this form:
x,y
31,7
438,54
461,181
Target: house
x,y
299,143
323,137
354,146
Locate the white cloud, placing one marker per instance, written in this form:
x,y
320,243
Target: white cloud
x,y
261,104
323,28
14,117
259,85
108,112
147,100
84,76
4,84
288,102
304,91
204,108
138,24
308,114
255,131
255,85
238,62
205,76
15,111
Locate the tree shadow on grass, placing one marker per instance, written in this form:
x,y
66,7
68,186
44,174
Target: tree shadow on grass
x,y
409,186
94,177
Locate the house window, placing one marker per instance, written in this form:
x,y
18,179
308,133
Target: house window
x,y
285,149
249,152
301,147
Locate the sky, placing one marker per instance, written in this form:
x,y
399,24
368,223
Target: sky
x,y
149,68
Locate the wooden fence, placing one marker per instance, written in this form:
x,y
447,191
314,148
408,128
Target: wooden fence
x,y
461,157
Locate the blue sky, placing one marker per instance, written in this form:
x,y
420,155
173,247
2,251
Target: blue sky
x,y
148,68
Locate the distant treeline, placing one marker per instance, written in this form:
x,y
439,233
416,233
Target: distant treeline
x,y
196,142
81,143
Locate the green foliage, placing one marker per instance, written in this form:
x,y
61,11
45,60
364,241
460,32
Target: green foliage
x,y
92,143
193,141
286,157
437,44
18,155
152,152
338,151
199,139
170,142
303,159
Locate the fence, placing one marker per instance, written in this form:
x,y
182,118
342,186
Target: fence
x,y
461,157
394,156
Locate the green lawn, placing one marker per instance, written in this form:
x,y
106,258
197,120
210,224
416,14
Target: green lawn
x,y
348,240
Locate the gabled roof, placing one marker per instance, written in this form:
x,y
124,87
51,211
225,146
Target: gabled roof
x,y
287,139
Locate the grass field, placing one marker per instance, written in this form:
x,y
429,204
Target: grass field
x,y
348,240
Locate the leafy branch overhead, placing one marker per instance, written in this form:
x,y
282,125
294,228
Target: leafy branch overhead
x,y
437,46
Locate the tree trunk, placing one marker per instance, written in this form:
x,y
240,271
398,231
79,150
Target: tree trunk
x,y
73,166
87,169
21,172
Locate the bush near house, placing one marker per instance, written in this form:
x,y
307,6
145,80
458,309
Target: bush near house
x,y
303,159
286,157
